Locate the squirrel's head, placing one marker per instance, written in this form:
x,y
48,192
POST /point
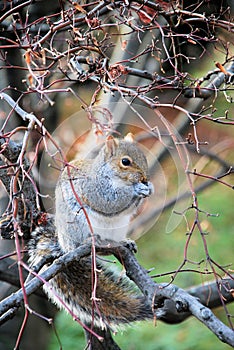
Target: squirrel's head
x,y
126,159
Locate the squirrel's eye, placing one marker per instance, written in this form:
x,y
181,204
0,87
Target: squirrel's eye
x,y
126,161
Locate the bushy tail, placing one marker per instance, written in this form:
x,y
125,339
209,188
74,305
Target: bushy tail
x,y
115,301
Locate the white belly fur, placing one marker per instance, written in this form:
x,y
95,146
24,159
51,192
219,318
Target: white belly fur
x,y
114,228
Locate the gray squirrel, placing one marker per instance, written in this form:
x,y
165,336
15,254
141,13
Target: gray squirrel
x,y
97,196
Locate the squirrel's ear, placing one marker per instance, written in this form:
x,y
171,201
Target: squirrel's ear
x,y
110,146
129,137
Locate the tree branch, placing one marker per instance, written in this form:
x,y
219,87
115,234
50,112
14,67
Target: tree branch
x,y
9,273
17,298
28,208
215,78
14,158
106,343
157,293
218,78
180,301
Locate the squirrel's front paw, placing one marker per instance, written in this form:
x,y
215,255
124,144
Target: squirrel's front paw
x,y
143,189
130,244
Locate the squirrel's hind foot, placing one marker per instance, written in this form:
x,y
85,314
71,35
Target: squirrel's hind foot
x,y
130,244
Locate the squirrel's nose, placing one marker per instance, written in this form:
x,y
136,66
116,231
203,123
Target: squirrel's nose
x,y
143,180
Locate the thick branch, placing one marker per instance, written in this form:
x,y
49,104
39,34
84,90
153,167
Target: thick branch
x,y
184,302
28,209
17,298
106,343
207,294
156,294
11,275
14,156
217,79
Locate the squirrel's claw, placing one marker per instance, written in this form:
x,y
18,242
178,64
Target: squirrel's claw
x,y
130,244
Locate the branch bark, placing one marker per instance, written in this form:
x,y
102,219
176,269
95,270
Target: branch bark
x,y
180,301
183,301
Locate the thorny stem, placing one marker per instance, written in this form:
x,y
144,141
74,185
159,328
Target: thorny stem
x,y
19,256
45,282
213,178
94,264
